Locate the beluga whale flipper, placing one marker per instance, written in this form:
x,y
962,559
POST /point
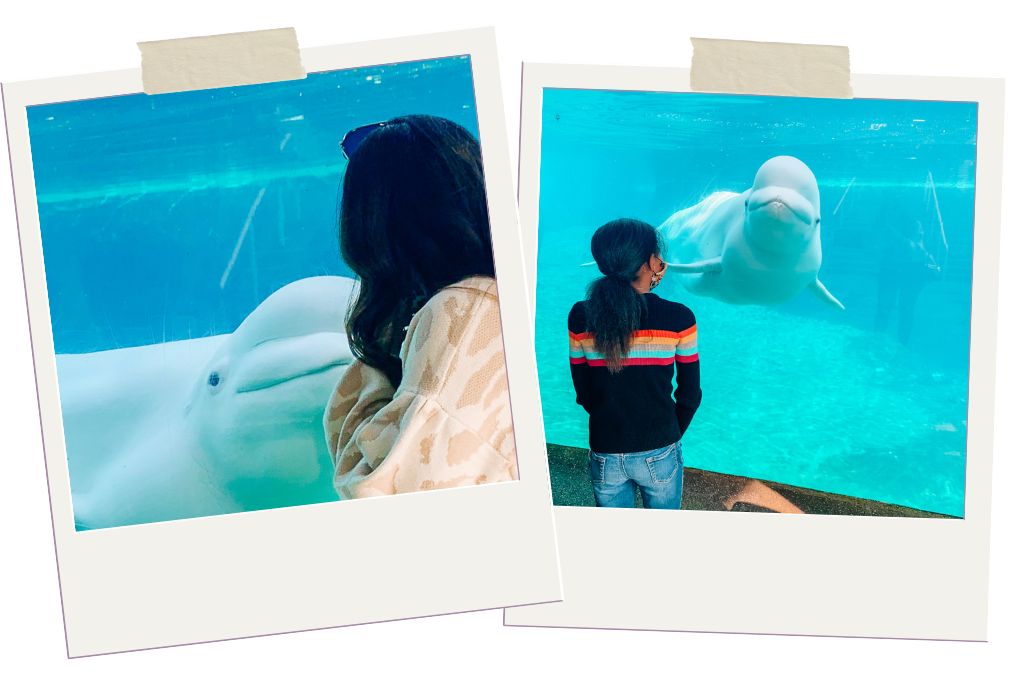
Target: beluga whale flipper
x,y
221,424
761,246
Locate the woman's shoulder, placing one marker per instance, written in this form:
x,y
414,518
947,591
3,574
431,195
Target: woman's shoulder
x,y
476,291
579,309
460,319
677,312
578,317
470,288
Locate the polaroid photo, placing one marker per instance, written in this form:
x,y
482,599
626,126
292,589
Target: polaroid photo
x,y
837,261
280,335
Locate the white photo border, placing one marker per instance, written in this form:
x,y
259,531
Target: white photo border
x,y
787,574
311,566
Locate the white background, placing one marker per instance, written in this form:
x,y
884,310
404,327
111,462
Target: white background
x,y
58,38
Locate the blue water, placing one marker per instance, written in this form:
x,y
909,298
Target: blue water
x,y
169,217
797,393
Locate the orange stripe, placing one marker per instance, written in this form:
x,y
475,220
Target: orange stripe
x,y
661,334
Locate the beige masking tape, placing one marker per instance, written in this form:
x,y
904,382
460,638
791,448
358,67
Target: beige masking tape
x,y
220,61
743,66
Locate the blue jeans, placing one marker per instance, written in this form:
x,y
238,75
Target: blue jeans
x,y
657,473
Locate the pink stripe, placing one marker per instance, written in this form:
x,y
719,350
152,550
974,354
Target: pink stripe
x,y
577,361
687,359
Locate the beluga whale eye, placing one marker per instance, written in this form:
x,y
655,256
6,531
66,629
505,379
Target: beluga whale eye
x,y
214,381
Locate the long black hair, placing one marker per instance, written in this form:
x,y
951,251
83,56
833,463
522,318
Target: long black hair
x,y
413,220
614,308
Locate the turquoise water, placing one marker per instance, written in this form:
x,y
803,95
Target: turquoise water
x,y
165,221
168,217
797,393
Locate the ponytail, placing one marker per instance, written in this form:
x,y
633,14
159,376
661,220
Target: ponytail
x,y
613,307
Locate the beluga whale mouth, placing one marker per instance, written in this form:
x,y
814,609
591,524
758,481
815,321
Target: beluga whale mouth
x,y
278,361
259,384
780,206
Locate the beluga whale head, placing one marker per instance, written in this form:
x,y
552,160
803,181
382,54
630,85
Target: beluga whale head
x,y
783,207
257,405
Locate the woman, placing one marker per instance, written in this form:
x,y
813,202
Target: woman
x,y
625,344
425,405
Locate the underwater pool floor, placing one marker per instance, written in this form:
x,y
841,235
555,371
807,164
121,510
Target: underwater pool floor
x,y
803,401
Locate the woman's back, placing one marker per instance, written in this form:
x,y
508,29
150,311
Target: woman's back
x,y
635,408
425,405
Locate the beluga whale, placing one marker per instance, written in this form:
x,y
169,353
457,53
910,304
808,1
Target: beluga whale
x,y
220,424
761,246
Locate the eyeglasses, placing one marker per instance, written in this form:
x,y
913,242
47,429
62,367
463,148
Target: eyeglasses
x,y
660,273
355,137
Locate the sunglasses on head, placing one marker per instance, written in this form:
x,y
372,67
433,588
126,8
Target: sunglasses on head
x,y
355,137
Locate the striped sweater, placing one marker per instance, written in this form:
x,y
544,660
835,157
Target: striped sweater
x,y
637,409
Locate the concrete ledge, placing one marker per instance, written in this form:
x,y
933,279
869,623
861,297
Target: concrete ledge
x,y
704,490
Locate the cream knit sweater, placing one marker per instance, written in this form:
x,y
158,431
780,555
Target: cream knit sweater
x,y
448,424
